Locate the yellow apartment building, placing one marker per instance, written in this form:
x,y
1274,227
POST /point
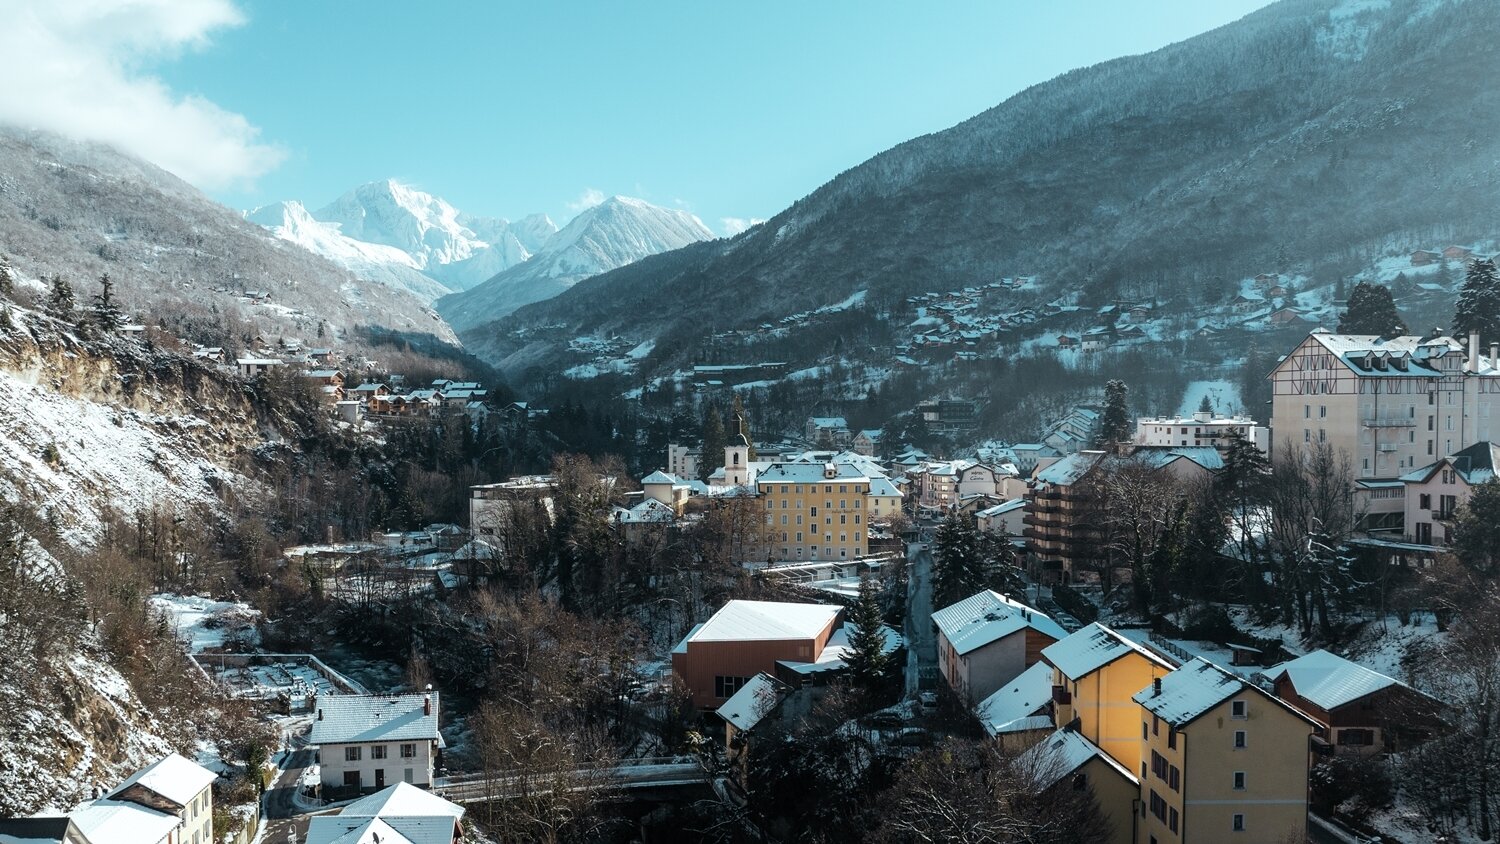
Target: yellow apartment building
x,y
1095,674
1065,759
815,511
1221,760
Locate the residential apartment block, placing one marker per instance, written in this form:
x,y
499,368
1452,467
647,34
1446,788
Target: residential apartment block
x,y
367,742
1202,429
1433,493
1096,673
815,511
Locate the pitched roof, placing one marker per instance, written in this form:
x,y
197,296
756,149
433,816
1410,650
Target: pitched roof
x,y
809,473
1014,707
1064,752
1329,680
344,719
659,477
763,620
1476,464
836,651
401,814
754,701
1070,469
120,820
1091,648
174,777
1197,687
53,830
988,616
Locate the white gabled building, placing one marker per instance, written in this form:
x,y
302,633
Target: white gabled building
x,y
366,742
987,640
1202,429
169,801
401,814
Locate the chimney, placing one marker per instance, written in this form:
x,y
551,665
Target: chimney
x,y
1495,356
320,713
427,704
1156,687
1474,351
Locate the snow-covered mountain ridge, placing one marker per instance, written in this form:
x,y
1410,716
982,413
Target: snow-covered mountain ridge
x,y
617,232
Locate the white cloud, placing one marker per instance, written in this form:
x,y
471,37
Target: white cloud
x,y
75,67
734,225
588,199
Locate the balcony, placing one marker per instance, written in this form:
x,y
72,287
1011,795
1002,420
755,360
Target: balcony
x,y
1062,696
1388,422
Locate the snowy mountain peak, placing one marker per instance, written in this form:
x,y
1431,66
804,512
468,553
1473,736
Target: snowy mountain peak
x,y
618,231
393,214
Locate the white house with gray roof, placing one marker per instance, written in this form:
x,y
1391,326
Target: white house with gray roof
x,y
367,742
986,640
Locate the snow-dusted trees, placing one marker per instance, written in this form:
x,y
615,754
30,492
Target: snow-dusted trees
x,y
1371,311
1478,309
7,276
1311,513
712,455
1114,423
869,664
107,314
965,561
1138,501
60,299
1476,530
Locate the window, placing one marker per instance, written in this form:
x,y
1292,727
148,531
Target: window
x,y
377,751
1174,778
1356,738
351,779
1158,806
353,754
406,776
1237,710
1171,737
1239,780
1172,819
1238,824
1158,765
1322,411
1155,725
1239,739
1424,501
408,751
725,687
1144,734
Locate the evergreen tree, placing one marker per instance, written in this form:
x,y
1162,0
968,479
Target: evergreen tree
x,y
1478,310
6,323
713,442
1371,311
106,315
1114,424
1476,529
60,301
869,664
7,277
957,561
1207,405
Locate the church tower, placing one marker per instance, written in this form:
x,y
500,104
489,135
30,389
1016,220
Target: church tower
x,y
737,454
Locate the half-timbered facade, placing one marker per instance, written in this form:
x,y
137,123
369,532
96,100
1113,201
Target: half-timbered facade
x,y
1389,406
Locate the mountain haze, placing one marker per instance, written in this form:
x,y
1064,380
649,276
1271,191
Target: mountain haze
x,y
617,232
1307,131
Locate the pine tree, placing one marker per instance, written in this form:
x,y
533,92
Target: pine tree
x,y
1478,310
957,561
1476,529
1114,425
1371,311
106,315
713,442
869,664
1207,405
60,301
7,277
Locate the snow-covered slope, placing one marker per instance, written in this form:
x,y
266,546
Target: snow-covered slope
x,y
618,231
370,261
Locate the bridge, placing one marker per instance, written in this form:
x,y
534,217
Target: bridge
x,y
643,778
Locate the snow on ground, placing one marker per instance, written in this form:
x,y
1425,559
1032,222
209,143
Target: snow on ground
x,y
641,350
98,453
1225,396
204,623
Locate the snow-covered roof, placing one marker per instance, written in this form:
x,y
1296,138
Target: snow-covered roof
x,y
119,820
1197,687
828,422
988,616
401,814
173,776
1070,469
1064,752
1091,648
403,800
1003,507
809,473
1161,455
765,620
649,511
884,487
1476,464
754,701
1014,707
659,477
343,719
836,652
49,830
1329,680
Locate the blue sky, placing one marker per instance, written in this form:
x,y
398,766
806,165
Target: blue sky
x,y
728,110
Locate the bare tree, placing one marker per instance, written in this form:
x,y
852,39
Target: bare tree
x,y
1312,512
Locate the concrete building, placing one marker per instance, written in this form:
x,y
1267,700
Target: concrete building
x,y
1433,493
1202,429
492,506
367,742
987,640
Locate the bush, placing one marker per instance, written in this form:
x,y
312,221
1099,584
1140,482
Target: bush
x,y
1075,604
